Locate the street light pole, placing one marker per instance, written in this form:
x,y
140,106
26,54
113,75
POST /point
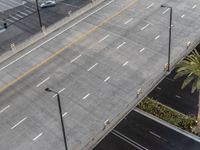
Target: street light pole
x,y
38,11
60,112
170,33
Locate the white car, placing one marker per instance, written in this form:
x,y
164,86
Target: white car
x,y
48,3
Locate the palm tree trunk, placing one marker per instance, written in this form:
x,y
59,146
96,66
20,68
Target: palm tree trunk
x,y
198,115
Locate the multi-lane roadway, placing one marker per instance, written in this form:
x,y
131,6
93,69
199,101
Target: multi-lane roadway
x,y
97,64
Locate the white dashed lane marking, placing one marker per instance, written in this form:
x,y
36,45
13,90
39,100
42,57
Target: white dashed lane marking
x,y
19,123
34,139
142,50
92,66
124,64
75,58
128,21
144,27
4,109
107,79
157,37
121,45
150,5
86,96
38,85
105,37
165,11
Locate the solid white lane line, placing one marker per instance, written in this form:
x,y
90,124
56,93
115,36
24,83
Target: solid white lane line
x,y
128,21
194,6
37,136
121,45
19,123
4,109
165,11
124,64
142,50
157,37
86,96
43,82
151,132
107,79
105,37
55,35
58,92
64,114
150,5
144,27
128,140
75,58
183,16
92,67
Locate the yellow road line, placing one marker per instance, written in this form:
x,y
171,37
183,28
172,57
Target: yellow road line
x,y
76,39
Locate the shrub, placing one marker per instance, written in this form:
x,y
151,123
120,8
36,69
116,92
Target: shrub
x,y
166,113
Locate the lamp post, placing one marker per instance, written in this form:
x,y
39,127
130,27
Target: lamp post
x,y
170,32
38,11
60,112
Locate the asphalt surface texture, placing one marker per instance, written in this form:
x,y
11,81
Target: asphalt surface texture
x,y
22,19
137,132
97,65
169,92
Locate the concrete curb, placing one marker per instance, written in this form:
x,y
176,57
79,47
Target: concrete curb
x,y
184,132
16,48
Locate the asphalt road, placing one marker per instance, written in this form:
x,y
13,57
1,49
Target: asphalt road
x,y
97,66
169,92
22,20
137,132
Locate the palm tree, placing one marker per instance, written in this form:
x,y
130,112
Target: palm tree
x,y
190,68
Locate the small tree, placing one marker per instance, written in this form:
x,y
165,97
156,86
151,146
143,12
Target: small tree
x,y
190,68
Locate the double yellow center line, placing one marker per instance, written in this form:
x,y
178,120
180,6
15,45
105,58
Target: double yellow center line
x,y
74,41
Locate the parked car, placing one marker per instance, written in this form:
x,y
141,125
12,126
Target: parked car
x,y
48,3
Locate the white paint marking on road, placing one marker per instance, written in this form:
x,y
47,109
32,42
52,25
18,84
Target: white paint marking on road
x,y
10,20
34,139
157,37
64,114
19,123
178,96
142,50
144,27
58,92
19,15
128,140
107,79
32,50
105,37
194,6
121,45
43,82
124,64
14,17
30,12
165,11
183,16
61,90
23,13
150,5
158,88
75,58
4,109
92,67
86,96
151,132
128,21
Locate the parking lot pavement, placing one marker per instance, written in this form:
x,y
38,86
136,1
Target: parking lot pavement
x,y
22,20
9,4
136,132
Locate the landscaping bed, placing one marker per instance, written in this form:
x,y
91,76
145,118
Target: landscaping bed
x,y
168,114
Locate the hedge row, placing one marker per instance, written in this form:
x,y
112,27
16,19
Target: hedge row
x,y
166,113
